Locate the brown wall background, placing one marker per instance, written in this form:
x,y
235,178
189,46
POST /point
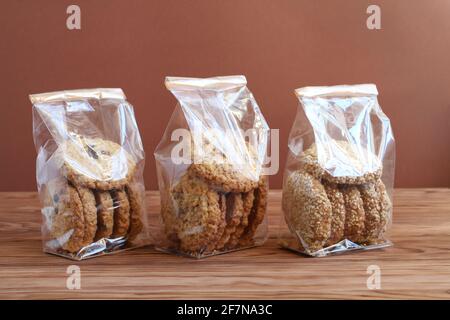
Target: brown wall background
x,y
279,45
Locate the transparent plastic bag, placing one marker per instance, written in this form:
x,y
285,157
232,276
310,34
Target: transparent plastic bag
x,y
338,181
209,164
89,172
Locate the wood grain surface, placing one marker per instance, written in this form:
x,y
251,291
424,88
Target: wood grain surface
x,y
417,266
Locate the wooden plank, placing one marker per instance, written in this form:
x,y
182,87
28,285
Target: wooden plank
x,y
418,266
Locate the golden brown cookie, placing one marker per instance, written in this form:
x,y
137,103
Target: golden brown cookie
x,y
199,214
136,201
96,163
257,213
307,210
309,162
68,221
234,211
105,214
385,206
121,213
217,170
247,204
355,214
337,202
372,207
90,214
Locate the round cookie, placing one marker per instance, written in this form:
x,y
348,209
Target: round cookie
x,y
337,202
309,162
234,212
96,163
372,207
217,171
355,214
307,210
105,215
199,214
68,222
222,226
385,206
247,204
121,213
90,214
257,213
136,201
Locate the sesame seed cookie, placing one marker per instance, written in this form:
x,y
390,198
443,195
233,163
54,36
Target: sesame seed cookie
x,y
105,214
385,206
247,204
121,213
234,212
96,163
257,213
355,214
350,163
199,214
135,198
337,202
307,210
68,221
90,214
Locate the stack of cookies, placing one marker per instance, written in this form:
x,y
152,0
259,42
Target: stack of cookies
x,y
213,208
322,209
96,197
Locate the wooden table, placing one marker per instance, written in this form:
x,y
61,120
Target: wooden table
x,y
418,266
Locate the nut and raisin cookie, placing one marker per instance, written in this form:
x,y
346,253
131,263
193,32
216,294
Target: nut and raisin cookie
x,y
121,213
136,210
353,164
87,198
336,199
68,221
247,204
218,171
105,214
199,214
354,214
96,163
257,213
234,211
307,210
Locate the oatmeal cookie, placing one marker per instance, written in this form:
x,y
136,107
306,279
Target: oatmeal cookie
x,y
337,202
105,214
121,213
307,210
90,214
217,170
247,204
96,163
199,214
68,221
257,213
234,211
136,210
310,163
355,214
